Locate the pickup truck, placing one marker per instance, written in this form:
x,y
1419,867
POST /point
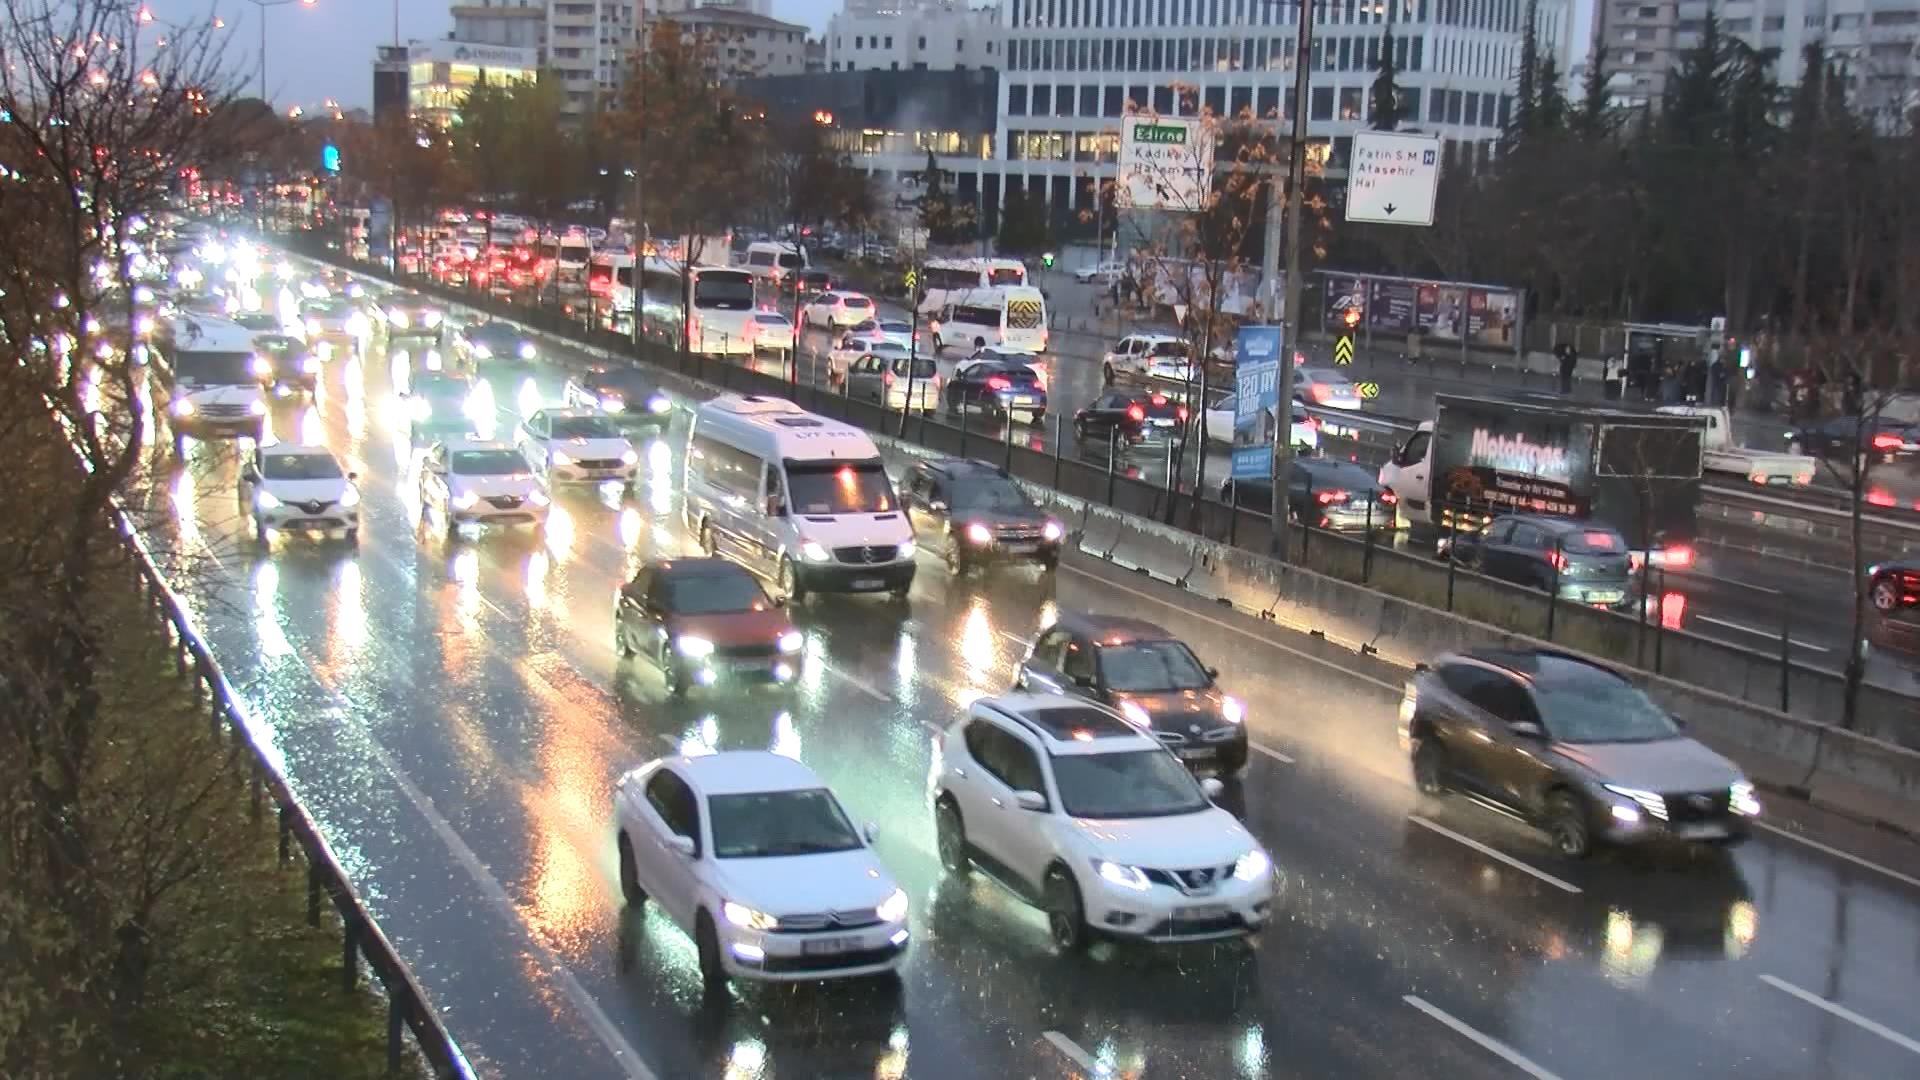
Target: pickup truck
x,y
1720,455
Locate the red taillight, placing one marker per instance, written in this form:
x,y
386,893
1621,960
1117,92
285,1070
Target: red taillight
x,y
1159,400
1679,556
1181,412
1673,610
1136,414
1886,441
1558,559
1321,391
1327,498
998,382
1388,498
886,378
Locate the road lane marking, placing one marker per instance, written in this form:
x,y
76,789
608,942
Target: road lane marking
x,y
1729,624
1492,853
1014,639
1905,879
861,685
1242,631
1844,1013
1486,1042
1072,1052
1271,752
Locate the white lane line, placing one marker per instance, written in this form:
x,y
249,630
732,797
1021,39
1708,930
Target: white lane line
x,y
1230,628
1730,625
1271,752
862,685
1486,1042
1491,853
1844,1013
1905,879
1014,639
1072,1052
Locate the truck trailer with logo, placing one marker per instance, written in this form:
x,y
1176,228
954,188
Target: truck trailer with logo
x,y
1484,455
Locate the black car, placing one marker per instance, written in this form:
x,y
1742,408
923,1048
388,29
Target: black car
x,y
1129,418
289,367
627,397
998,389
437,403
1324,493
1845,437
414,321
981,515
1571,746
1587,562
495,342
1894,586
814,281
1148,675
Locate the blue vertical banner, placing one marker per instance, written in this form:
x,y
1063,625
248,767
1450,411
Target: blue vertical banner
x,y
1256,400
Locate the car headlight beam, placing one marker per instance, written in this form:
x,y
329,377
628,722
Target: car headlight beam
x,y
747,918
814,551
693,648
792,641
894,907
1252,866
1127,877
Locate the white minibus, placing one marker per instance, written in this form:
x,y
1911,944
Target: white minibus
x,y
942,280
1014,317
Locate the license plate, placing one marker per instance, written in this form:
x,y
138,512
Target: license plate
x,y
1163,423
1190,753
1701,831
867,583
1023,399
832,946
748,665
1197,912
1608,596
1022,549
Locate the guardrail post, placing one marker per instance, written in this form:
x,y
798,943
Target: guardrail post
x,y
1366,553
313,892
1453,534
1006,457
350,952
1113,454
1660,623
396,1023
1305,527
1553,594
286,834
963,422
1786,660
1057,433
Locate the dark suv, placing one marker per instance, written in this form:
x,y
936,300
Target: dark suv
x,y
1149,676
1570,746
1593,566
981,514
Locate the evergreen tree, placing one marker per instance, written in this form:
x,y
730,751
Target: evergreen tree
x,y
946,220
1594,119
1383,105
1551,110
1525,94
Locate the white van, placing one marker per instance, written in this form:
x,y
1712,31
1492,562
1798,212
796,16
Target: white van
x,y
1013,317
211,377
774,260
796,498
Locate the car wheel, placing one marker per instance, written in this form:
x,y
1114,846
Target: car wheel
x,y
790,584
1430,767
713,974
1066,916
950,838
1567,824
956,558
706,538
1232,761
630,889
353,537
622,647
1885,597
1106,374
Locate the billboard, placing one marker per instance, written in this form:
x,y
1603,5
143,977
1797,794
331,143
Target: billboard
x,y
1256,387
1165,163
1470,314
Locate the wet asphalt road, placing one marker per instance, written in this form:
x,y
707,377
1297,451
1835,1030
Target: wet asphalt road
x,y
454,714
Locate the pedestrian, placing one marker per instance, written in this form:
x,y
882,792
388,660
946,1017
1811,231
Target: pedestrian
x,y
1569,359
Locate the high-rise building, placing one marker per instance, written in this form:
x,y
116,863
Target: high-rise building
x,y
584,43
913,35
746,44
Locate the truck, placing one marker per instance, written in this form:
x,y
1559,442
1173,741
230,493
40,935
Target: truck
x,y
1483,455
1719,454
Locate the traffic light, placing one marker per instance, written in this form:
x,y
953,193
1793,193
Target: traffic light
x,y
1047,260
1351,317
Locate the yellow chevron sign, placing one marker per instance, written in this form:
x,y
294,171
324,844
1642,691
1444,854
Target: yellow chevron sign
x,y
912,280
1367,390
1343,349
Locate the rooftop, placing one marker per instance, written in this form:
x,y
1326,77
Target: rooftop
x,y
746,772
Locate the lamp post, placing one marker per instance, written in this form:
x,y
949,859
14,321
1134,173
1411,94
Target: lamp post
x,y
263,5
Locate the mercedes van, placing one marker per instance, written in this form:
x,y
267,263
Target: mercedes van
x,y
211,377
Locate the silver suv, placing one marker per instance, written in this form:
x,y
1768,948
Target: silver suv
x,y
1569,746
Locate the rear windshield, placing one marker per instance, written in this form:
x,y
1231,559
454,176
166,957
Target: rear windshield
x,y
1018,373
857,302
1010,276
791,261
922,369
1168,348
487,462
1161,407
1342,475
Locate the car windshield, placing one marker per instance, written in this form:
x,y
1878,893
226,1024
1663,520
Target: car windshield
x,y
1149,666
583,427
775,823
1161,408
829,487
214,368
1340,475
1601,711
713,594
495,332
1134,784
1595,541
771,318
299,467
989,495
440,388
488,462
627,384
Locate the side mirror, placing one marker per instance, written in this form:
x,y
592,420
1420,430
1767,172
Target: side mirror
x,y
936,505
1085,681
871,832
1213,673
1212,786
1030,800
776,508
1526,729
681,844
353,477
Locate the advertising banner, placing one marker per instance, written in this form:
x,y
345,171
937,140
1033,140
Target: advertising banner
x,y
1443,311
1256,382
1498,461
1392,305
1343,293
1492,317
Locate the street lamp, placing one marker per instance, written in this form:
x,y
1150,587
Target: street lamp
x,y
263,5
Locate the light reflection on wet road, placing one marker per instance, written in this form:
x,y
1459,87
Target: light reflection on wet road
x,y
455,715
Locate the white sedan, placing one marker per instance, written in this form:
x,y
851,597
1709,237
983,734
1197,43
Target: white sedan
x,y
852,347
1105,273
751,855
898,331
1306,431
771,331
576,446
837,309
1325,387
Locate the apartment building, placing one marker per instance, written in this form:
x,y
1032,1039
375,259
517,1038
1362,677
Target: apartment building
x,y
584,43
747,44
913,35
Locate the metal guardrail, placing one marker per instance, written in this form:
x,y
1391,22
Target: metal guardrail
x,y
362,938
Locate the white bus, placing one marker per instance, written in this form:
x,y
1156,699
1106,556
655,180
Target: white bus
x,y
1013,317
799,499
940,279
719,323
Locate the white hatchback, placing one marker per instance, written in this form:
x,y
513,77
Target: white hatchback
x,y
751,855
289,487
574,446
837,309
1078,811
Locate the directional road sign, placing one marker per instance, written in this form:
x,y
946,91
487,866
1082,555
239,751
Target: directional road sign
x,y
912,280
1367,390
1393,178
1343,350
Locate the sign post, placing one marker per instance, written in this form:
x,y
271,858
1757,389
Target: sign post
x,y
1393,178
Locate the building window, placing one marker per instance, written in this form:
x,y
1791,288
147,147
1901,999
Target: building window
x,y
1437,107
1320,104
1115,103
1410,101
1350,103
889,41
1042,100
1773,23
923,42
1266,102
1216,100
859,42
958,46
1163,100
1846,22
1240,100
1016,100
1896,18
1137,97
1063,101
1089,101
1453,105
1472,109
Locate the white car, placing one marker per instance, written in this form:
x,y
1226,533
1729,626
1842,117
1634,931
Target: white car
x,y
576,446
1105,273
1325,388
1147,357
1306,430
480,482
771,331
837,309
852,347
1076,809
898,331
751,855
288,487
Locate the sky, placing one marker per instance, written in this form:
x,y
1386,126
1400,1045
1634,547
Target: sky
x,y
326,51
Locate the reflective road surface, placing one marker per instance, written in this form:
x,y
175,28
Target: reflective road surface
x,y
454,714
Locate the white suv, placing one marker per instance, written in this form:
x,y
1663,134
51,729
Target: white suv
x,y
1078,811
1146,357
750,854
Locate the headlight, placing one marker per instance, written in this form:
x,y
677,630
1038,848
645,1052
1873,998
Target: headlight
x,y
350,497
746,918
894,907
1135,712
1127,877
791,641
357,324
465,500
658,404
1650,801
313,327
1052,531
311,365
538,498
421,408
1232,710
266,500
1741,799
1253,866
630,458
483,352
694,648
398,319
260,365
560,457
430,320
979,534
257,407
610,403
183,407
527,350
908,549
813,552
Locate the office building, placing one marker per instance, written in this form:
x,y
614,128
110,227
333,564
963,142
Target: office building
x,y
429,79
913,35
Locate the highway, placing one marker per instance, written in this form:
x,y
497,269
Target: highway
x,y
454,715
